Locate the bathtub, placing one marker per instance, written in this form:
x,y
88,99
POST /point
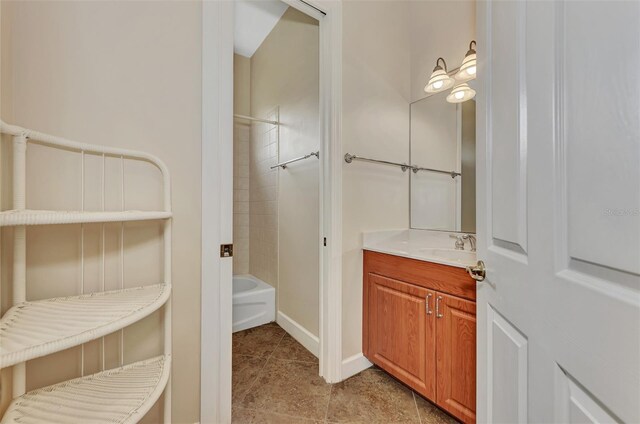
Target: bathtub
x,y
254,302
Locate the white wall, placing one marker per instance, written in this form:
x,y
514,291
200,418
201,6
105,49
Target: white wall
x,y
285,74
375,123
122,74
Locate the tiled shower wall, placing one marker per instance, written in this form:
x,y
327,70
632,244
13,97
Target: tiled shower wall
x,y
241,136
263,194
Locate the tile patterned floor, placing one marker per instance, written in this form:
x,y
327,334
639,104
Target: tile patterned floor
x,y
275,381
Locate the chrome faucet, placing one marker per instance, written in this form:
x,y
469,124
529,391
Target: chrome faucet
x,y
472,241
459,240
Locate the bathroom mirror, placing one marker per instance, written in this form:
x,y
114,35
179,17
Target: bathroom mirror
x,y
443,154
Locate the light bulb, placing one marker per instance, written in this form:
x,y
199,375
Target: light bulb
x,y
471,70
438,85
459,94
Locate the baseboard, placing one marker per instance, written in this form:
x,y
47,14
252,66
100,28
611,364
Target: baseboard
x,y
354,364
298,332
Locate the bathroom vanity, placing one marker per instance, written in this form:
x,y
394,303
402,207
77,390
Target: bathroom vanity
x,y
419,315
419,321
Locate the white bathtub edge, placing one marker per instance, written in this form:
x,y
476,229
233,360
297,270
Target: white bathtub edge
x,y
255,307
298,332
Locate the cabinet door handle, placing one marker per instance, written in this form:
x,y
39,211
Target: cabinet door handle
x,y
438,314
429,311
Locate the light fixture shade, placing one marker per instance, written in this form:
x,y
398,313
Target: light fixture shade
x,y
468,68
461,93
439,80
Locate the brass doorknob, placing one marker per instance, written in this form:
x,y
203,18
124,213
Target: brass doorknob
x,y
477,272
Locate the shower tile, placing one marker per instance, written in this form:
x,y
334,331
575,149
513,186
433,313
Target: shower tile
x,y
241,220
241,207
271,222
241,183
241,233
241,253
241,195
270,233
271,207
241,170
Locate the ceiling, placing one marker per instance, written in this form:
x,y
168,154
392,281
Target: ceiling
x,y
254,20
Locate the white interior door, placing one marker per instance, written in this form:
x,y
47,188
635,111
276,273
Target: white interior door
x,y
559,211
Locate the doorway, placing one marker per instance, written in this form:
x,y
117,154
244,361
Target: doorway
x,y
217,195
276,231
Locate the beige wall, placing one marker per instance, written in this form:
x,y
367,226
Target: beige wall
x,y
285,75
389,51
241,85
375,123
5,172
121,74
5,65
5,106
241,140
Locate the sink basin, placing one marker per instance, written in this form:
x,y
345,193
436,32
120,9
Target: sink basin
x,y
461,256
429,246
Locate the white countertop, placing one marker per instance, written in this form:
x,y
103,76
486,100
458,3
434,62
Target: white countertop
x,y
424,245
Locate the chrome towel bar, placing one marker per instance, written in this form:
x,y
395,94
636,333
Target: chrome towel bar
x,y
453,174
283,165
350,158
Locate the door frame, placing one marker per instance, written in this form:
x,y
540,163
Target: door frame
x,y
217,199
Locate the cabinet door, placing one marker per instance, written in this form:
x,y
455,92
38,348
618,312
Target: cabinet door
x,y
456,356
401,331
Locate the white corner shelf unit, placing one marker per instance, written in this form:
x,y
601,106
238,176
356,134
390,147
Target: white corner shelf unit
x,y
32,329
12,218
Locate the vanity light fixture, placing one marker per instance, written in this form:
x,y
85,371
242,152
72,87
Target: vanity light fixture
x,y
440,79
461,93
468,68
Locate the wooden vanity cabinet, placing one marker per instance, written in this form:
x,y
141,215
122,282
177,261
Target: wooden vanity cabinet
x,y
456,356
402,336
419,326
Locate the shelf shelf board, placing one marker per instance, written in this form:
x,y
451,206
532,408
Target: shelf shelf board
x,y
33,329
44,217
121,395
